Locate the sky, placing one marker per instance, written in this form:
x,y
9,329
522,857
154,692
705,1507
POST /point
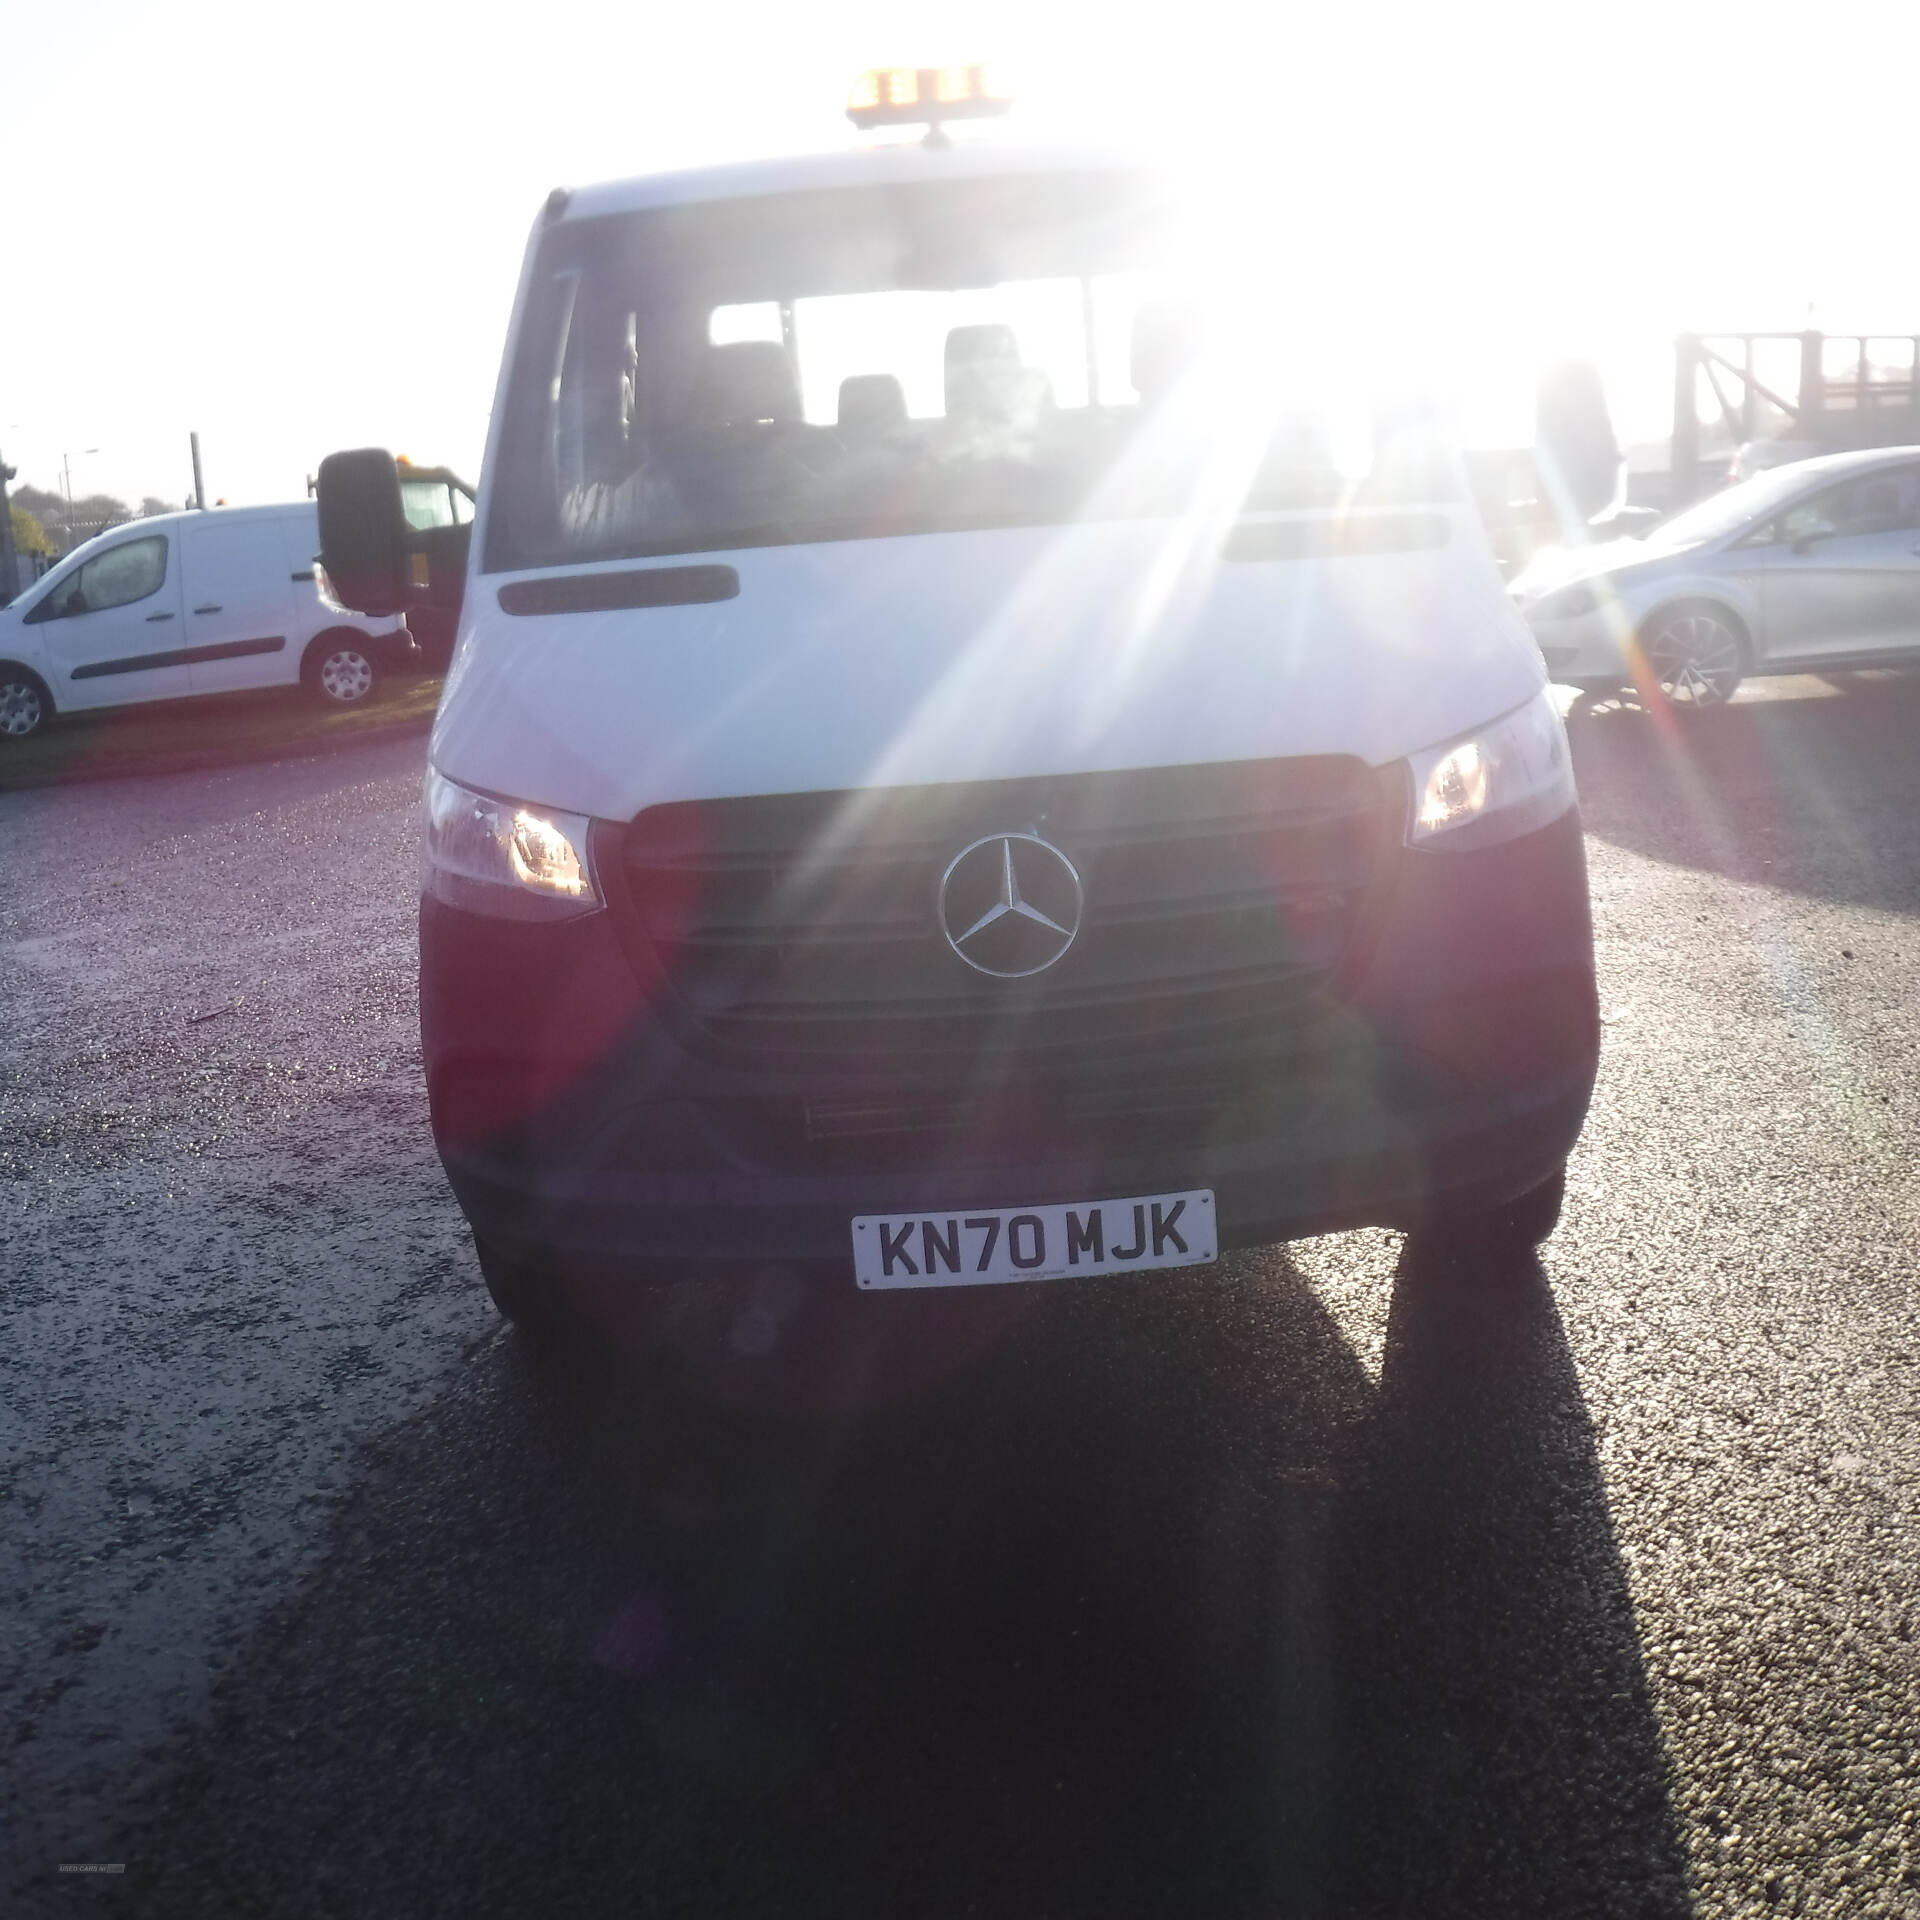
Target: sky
x,y
297,229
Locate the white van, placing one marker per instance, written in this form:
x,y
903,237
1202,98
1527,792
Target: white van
x,y
946,777
187,603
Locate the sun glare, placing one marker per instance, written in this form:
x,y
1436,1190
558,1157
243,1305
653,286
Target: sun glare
x,y
1487,187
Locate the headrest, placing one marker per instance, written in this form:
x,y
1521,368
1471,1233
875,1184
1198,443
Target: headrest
x,y
983,365
749,381
872,404
1165,339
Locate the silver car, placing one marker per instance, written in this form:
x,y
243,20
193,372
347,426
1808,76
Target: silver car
x,y
1803,568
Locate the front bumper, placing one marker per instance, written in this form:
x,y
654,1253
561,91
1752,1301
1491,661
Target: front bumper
x,y
1453,1072
1589,647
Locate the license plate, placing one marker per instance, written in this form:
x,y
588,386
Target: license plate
x,y
985,1247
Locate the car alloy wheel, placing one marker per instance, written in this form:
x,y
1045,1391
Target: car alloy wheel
x,y
21,709
346,676
1695,658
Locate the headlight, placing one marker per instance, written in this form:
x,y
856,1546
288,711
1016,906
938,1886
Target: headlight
x,y
1503,781
323,585
1569,603
498,857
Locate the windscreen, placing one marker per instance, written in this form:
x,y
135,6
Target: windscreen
x,y
1010,351
1724,513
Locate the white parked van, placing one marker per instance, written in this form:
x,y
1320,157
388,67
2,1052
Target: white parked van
x,y
186,603
954,772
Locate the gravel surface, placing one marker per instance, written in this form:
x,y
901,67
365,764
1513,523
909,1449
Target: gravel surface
x,y
227,1253
1317,1584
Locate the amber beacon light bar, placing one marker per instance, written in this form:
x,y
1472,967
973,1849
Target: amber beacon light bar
x,y
924,97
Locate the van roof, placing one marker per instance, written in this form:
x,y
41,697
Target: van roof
x,y
159,522
222,514
896,163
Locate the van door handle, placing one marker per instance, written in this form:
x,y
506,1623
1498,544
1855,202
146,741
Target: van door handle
x,y
152,617
214,608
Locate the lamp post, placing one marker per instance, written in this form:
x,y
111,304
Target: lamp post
x,y
66,474
9,560
9,552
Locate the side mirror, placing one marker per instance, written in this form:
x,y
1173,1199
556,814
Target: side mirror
x,y
1574,442
1807,542
364,536
1627,523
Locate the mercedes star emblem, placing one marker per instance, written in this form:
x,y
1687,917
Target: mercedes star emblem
x,y
1010,904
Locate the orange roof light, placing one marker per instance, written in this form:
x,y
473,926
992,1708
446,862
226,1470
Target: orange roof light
x,y
924,97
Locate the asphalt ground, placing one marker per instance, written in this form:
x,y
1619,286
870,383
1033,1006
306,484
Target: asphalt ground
x,y
1317,1583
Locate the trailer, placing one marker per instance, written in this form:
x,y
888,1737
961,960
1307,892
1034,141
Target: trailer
x,y
1786,395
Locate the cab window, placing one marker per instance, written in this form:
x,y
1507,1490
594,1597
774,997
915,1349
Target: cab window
x,y
951,356
116,578
427,504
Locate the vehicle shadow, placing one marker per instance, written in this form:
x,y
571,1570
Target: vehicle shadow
x,y
1815,793
1162,1607
1502,1752
212,732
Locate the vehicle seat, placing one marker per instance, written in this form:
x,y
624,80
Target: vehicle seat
x,y
991,397
1412,459
982,372
872,406
750,383
1164,341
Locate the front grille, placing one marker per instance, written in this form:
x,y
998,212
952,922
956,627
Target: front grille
x,y
1218,900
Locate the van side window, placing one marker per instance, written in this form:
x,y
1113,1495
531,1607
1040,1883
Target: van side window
x,y
115,578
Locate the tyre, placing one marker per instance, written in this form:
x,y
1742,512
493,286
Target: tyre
x,y
521,1290
1695,656
339,668
1507,1232
25,705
